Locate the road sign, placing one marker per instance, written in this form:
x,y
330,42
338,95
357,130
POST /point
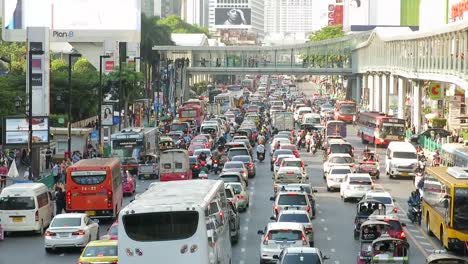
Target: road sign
x,y
61,120
435,91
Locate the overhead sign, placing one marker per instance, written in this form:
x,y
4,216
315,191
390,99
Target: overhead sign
x,y
16,130
435,91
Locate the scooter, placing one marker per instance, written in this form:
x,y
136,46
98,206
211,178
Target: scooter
x,y
414,213
217,166
260,156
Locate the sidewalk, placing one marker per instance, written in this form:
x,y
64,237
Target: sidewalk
x,y
44,177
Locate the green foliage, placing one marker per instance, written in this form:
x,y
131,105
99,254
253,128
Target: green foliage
x,y
58,65
328,32
438,122
177,25
200,87
12,85
82,65
16,52
153,33
54,120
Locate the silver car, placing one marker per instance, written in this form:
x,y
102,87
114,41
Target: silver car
x,y
242,195
70,230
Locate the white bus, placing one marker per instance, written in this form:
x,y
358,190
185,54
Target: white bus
x,y
176,222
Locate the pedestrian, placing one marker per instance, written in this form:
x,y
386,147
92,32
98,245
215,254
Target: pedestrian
x,y
56,172
3,174
48,158
59,199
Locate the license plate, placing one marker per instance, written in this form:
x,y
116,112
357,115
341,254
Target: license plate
x,y
215,165
90,213
404,174
18,219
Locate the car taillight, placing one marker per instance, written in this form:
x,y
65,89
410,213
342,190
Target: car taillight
x,y
36,216
267,237
328,151
109,199
302,164
221,215
402,235
196,166
50,234
69,198
308,229
239,196
304,240
276,210
79,233
308,208
395,209
250,165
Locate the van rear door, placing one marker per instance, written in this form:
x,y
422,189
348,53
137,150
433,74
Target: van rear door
x,y
18,212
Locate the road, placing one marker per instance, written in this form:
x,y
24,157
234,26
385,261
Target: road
x,y
333,225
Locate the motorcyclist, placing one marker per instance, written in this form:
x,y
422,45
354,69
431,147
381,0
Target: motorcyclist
x,y
181,142
415,198
232,129
221,141
261,139
260,151
436,158
202,157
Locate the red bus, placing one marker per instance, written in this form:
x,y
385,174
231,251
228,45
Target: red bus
x,y
94,187
379,128
345,110
191,112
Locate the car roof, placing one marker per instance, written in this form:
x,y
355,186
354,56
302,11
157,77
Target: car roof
x,y
293,159
242,156
283,156
373,193
67,215
285,225
295,250
390,217
290,192
340,167
234,162
332,155
104,242
338,141
359,175
203,150
230,173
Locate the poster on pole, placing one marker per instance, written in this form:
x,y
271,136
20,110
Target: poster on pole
x,y
107,115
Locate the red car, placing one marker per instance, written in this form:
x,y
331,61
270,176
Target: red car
x,y
128,183
112,232
291,147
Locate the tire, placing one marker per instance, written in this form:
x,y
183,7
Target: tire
x,y
363,141
49,250
329,189
345,199
428,228
41,229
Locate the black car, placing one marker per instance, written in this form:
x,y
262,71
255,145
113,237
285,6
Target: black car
x,y
195,165
431,133
295,255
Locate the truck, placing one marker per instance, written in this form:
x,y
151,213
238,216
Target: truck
x,y
283,121
336,128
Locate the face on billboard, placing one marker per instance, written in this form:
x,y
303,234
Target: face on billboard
x,y
232,17
65,16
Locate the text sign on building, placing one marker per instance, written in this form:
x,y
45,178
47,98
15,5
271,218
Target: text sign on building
x,y
435,91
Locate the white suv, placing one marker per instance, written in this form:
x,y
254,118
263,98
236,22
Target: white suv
x,y
291,200
355,185
278,236
383,197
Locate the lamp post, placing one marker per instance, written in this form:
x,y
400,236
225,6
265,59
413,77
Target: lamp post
x,y
30,112
18,101
100,99
120,93
70,57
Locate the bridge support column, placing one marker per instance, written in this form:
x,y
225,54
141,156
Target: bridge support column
x,y
358,93
370,85
377,93
401,97
385,82
416,100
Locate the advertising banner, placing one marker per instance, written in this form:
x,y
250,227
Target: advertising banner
x,y
233,17
17,130
335,14
107,115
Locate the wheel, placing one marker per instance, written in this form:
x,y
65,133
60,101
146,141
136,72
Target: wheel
x,y
41,229
49,250
363,141
345,199
428,226
329,189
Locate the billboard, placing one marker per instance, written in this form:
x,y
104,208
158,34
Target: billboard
x,y
335,14
73,21
233,17
17,130
107,115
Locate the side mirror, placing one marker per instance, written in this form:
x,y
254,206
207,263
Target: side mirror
x,y
275,257
325,257
260,232
272,198
273,218
314,190
403,224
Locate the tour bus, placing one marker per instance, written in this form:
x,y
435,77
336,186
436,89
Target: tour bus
x,y
379,128
345,110
94,187
454,154
191,112
445,205
176,222
196,102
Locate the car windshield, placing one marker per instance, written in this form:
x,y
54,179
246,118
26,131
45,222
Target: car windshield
x,y
233,165
199,151
199,140
395,225
404,155
297,218
237,152
244,159
382,199
348,109
230,178
100,251
292,199
282,151
301,258
66,221
341,160
340,171
237,188
17,203
288,235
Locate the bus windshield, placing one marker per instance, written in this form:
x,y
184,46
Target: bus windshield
x,y
348,109
127,148
188,113
460,209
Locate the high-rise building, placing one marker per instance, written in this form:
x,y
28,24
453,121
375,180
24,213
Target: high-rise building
x,y
164,8
147,7
289,16
195,12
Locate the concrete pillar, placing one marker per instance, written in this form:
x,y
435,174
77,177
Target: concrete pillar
x,y
391,85
401,97
385,85
416,100
358,89
370,85
377,93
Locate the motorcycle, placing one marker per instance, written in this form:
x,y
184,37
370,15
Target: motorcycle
x,y
217,166
260,156
422,163
414,213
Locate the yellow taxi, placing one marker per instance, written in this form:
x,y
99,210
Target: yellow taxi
x,y
100,251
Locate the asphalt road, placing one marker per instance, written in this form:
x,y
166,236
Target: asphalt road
x,y
333,224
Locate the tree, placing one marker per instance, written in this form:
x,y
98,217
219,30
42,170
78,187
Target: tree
x,y
16,52
328,32
177,25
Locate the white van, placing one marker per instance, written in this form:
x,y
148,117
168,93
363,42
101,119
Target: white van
x,y
401,159
311,118
26,207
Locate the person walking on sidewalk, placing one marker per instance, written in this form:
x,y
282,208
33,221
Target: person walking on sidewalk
x,y
59,199
3,174
48,158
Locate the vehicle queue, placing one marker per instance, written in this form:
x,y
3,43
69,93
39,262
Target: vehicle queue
x,y
174,222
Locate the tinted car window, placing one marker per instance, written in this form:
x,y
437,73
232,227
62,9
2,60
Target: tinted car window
x,y
341,160
282,151
100,251
237,188
360,181
228,193
292,200
232,178
17,203
65,222
233,166
395,225
340,171
244,159
404,155
297,218
237,152
384,200
291,163
301,258
340,148
285,235
161,226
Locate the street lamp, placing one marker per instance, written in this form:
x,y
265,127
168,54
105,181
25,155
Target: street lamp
x,y
70,56
100,98
30,113
18,103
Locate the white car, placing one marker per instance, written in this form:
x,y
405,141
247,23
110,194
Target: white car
x,y
281,140
279,160
294,162
278,236
338,159
207,151
336,176
243,199
297,216
70,230
285,200
301,111
383,197
355,186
